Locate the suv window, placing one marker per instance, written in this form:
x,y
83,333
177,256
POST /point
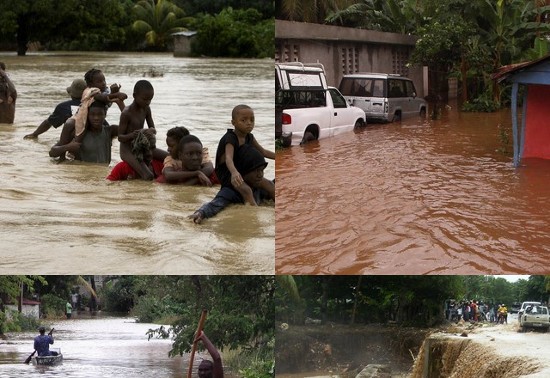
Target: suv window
x,y
362,87
409,85
396,88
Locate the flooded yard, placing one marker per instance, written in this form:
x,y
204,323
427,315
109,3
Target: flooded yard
x,y
416,197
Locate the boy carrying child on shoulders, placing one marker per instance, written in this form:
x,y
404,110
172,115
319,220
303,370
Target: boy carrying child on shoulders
x,y
251,164
242,118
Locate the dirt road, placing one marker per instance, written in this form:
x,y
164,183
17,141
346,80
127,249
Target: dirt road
x,y
506,341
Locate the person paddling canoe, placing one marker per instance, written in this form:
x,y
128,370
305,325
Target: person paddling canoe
x,y
42,343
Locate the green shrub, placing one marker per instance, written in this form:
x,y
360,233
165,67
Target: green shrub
x,y
483,103
52,305
234,33
17,322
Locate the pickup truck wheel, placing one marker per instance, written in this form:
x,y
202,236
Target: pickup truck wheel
x,y
309,135
359,124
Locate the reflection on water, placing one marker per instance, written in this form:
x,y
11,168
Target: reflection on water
x,y
412,198
97,347
62,218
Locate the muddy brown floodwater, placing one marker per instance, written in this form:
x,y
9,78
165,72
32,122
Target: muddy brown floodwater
x,y
417,197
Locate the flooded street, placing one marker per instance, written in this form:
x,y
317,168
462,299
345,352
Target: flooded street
x,y
66,218
417,197
96,347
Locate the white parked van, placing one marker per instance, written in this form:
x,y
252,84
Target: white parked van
x,y
383,97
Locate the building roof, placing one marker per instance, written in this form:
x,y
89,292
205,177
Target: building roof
x,y
25,302
506,71
188,33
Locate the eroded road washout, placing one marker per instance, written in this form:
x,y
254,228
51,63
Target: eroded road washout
x,y
481,350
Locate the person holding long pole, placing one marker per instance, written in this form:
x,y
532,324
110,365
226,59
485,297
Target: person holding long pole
x,y
207,368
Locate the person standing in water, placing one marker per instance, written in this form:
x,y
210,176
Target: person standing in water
x,y
8,95
68,309
63,111
132,120
207,368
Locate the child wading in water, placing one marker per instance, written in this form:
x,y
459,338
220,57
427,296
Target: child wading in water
x,y
251,164
242,118
132,119
174,170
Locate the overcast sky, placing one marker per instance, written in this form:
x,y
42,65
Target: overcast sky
x,y
513,278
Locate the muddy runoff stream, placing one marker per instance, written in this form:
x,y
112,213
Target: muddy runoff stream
x,y
416,197
386,351
66,218
99,346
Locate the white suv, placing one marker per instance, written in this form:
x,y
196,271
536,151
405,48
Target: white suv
x,y
383,97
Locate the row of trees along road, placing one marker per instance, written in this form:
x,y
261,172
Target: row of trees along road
x,y
407,300
245,27
467,39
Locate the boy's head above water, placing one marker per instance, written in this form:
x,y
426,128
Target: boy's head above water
x,y
143,93
190,152
173,137
242,117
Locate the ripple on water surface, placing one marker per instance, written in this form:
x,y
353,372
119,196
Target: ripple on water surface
x,y
412,198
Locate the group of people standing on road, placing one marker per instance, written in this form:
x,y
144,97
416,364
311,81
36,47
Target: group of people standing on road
x,y
475,311
87,136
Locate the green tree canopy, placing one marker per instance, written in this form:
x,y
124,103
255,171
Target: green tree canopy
x,y
157,20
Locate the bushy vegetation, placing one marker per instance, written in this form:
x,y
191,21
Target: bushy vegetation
x,y
16,322
52,306
235,33
130,25
406,300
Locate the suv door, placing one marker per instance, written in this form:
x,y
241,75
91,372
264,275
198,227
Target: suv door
x,y
415,102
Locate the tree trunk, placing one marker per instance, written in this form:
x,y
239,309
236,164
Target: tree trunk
x,y
20,300
22,35
357,291
464,74
93,299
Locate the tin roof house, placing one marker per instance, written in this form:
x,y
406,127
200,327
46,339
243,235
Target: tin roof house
x,y
531,128
182,42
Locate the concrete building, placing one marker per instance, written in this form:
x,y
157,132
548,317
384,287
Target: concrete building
x,y
348,50
29,308
182,43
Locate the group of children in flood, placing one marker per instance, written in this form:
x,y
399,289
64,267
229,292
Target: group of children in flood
x,y
240,160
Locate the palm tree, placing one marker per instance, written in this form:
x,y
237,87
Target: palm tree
x,y
157,20
309,10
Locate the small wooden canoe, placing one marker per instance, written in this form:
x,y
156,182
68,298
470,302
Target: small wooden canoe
x,y
49,360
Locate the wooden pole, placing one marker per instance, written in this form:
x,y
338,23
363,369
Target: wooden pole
x,y
194,349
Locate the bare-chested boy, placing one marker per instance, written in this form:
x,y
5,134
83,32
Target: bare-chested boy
x,y
132,119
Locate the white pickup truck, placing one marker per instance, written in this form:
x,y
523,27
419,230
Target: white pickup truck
x,y
306,108
535,316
